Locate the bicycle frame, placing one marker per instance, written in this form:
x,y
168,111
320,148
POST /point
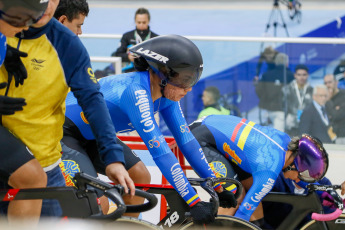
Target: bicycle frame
x,y
178,214
72,204
178,207
303,205
81,201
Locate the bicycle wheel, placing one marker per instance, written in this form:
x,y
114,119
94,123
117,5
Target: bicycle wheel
x,y
224,222
337,224
130,223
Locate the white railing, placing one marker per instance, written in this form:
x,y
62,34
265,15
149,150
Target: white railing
x,y
241,39
309,40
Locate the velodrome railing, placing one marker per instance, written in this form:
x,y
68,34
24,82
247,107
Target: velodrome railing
x,y
258,40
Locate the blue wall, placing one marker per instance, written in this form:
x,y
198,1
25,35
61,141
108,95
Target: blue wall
x,y
239,78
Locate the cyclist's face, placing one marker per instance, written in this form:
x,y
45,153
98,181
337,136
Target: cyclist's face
x,y
292,174
8,30
142,21
289,162
175,93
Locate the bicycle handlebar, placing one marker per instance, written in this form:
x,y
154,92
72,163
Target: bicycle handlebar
x,y
152,202
114,196
337,200
114,193
327,217
215,180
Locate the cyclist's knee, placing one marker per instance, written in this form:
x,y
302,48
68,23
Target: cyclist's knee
x,y
29,175
139,173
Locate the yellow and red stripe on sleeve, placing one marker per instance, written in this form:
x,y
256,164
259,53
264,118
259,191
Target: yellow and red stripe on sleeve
x,y
244,134
192,201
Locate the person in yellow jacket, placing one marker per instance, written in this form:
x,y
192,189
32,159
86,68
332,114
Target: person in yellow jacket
x,y
210,98
56,62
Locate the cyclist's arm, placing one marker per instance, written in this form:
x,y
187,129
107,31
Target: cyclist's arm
x,y
263,183
186,141
343,188
137,103
81,80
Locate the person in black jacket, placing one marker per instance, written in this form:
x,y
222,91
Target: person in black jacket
x,y
314,119
336,107
269,90
141,33
268,56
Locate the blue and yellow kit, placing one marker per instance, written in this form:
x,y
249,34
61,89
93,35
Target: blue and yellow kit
x,y
57,61
128,97
258,150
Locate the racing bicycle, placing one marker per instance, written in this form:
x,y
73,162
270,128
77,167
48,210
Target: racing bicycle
x,y
179,217
81,201
304,205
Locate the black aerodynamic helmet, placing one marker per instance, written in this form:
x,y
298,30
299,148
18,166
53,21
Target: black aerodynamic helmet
x,y
175,59
20,13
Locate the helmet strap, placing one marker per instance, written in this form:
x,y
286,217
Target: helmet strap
x,y
162,85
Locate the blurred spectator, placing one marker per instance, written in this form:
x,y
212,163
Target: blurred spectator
x,y
336,108
72,13
269,90
297,95
314,119
267,56
210,98
339,74
141,33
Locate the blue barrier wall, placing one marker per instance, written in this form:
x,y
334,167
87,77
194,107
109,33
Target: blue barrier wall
x,y
236,82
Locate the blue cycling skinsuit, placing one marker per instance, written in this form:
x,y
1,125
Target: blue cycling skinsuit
x,y
128,97
2,48
257,150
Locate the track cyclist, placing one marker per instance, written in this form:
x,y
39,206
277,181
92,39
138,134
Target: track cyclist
x,y
257,154
169,67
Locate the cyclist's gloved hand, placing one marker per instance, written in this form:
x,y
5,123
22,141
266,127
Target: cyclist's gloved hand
x,y
227,199
15,66
202,213
9,105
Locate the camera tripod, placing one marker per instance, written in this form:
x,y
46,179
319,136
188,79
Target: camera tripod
x,y
275,15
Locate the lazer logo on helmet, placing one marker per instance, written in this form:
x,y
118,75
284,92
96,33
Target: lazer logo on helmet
x,y
153,55
144,108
